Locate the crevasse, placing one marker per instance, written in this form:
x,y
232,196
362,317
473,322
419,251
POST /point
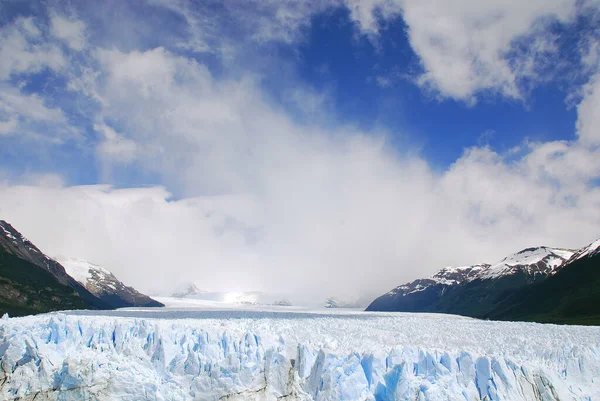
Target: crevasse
x,y
62,357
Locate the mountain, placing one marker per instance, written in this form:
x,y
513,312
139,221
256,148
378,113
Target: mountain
x,y
191,291
476,290
187,290
422,294
103,284
347,302
572,295
31,282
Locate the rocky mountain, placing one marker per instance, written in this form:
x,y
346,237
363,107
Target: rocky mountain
x,y
475,290
418,295
346,302
191,291
31,282
572,295
540,261
187,290
103,284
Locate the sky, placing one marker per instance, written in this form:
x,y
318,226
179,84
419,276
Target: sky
x,y
324,148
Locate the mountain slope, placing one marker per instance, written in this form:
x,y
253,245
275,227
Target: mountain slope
x,y
572,295
475,290
28,289
14,243
103,284
187,290
421,295
20,248
191,291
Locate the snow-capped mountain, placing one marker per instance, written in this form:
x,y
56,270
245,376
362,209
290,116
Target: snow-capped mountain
x,y
187,290
347,302
592,249
16,244
475,290
571,295
26,256
532,261
448,276
191,291
103,284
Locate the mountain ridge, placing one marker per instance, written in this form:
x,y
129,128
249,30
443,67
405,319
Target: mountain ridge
x,y
33,282
105,285
16,244
478,290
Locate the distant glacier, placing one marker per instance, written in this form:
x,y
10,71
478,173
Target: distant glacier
x,y
172,354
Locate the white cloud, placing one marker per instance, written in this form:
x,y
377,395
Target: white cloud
x,y
23,51
29,27
272,204
463,45
71,31
591,53
8,125
589,112
13,102
363,13
114,146
21,113
340,221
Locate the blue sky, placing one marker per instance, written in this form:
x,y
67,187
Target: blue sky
x,y
368,82
264,130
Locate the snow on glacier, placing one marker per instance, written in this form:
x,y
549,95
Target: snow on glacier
x,y
188,354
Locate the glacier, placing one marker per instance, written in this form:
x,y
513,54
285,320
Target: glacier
x,y
184,354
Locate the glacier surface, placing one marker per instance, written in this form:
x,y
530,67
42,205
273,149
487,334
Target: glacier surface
x,y
184,354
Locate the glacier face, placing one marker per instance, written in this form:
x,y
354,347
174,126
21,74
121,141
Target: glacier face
x,y
262,355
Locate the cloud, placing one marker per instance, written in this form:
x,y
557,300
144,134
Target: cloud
x,y
465,47
8,125
114,146
24,114
71,31
28,106
343,222
23,49
27,50
589,112
269,203
468,47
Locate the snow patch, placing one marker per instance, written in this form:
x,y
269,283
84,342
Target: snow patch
x,y
8,234
86,272
590,250
79,269
543,259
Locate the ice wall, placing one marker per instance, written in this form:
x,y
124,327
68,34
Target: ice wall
x,y
61,357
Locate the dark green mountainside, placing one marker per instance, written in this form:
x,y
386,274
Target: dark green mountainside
x,y
550,285
28,289
571,296
31,282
